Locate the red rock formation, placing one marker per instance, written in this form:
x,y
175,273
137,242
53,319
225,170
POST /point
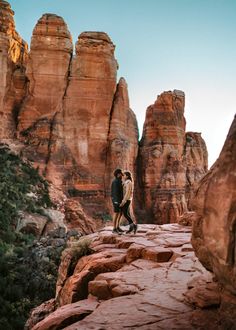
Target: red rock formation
x,y
123,135
166,160
70,117
78,127
196,157
13,57
86,117
214,226
39,313
47,71
69,213
75,217
130,281
67,314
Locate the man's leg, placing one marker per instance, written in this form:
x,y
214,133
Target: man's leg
x,y
115,218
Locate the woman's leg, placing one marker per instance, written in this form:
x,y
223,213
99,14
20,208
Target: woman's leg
x,y
126,213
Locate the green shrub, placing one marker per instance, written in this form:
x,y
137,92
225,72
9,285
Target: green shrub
x,y
79,249
21,189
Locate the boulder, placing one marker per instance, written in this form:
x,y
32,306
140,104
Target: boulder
x,y
31,223
214,225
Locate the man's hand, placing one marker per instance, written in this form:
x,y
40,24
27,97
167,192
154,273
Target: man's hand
x,y
121,204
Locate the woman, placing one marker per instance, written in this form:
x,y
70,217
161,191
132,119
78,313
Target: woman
x,y
128,188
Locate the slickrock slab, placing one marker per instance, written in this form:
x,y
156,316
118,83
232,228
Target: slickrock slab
x,y
67,315
145,286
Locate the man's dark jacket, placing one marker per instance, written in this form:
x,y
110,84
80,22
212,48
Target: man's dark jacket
x,y
116,191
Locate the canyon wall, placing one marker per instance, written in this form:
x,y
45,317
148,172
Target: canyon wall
x,y
214,225
170,161
75,124
13,57
73,121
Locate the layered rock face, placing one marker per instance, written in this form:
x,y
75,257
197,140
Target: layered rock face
x,y
47,72
214,226
77,126
170,161
13,58
123,135
70,117
86,115
196,156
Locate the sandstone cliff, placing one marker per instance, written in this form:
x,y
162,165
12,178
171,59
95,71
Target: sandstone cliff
x,y
75,116
123,135
73,121
214,225
47,72
170,161
76,124
13,58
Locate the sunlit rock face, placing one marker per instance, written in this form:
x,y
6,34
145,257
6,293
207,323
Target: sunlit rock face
x,y
70,116
86,115
47,72
123,135
166,156
214,226
151,280
76,124
13,56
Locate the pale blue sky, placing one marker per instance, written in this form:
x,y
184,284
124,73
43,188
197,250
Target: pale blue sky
x,y
161,45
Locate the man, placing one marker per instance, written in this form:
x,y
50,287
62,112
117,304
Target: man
x,y
117,196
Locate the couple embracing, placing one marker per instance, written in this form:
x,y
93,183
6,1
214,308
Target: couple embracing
x,y
121,195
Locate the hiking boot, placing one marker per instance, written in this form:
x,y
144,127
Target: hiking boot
x,y
115,231
131,228
120,230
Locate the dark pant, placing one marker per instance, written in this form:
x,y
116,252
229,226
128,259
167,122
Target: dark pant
x,y
126,213
116,207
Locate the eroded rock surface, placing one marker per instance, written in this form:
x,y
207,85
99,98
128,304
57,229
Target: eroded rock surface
x,y
77,126
214,225
69,119
149,281
170,161
47,72
123,135
13,56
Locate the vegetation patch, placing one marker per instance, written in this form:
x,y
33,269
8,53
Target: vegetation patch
x,y
26,279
